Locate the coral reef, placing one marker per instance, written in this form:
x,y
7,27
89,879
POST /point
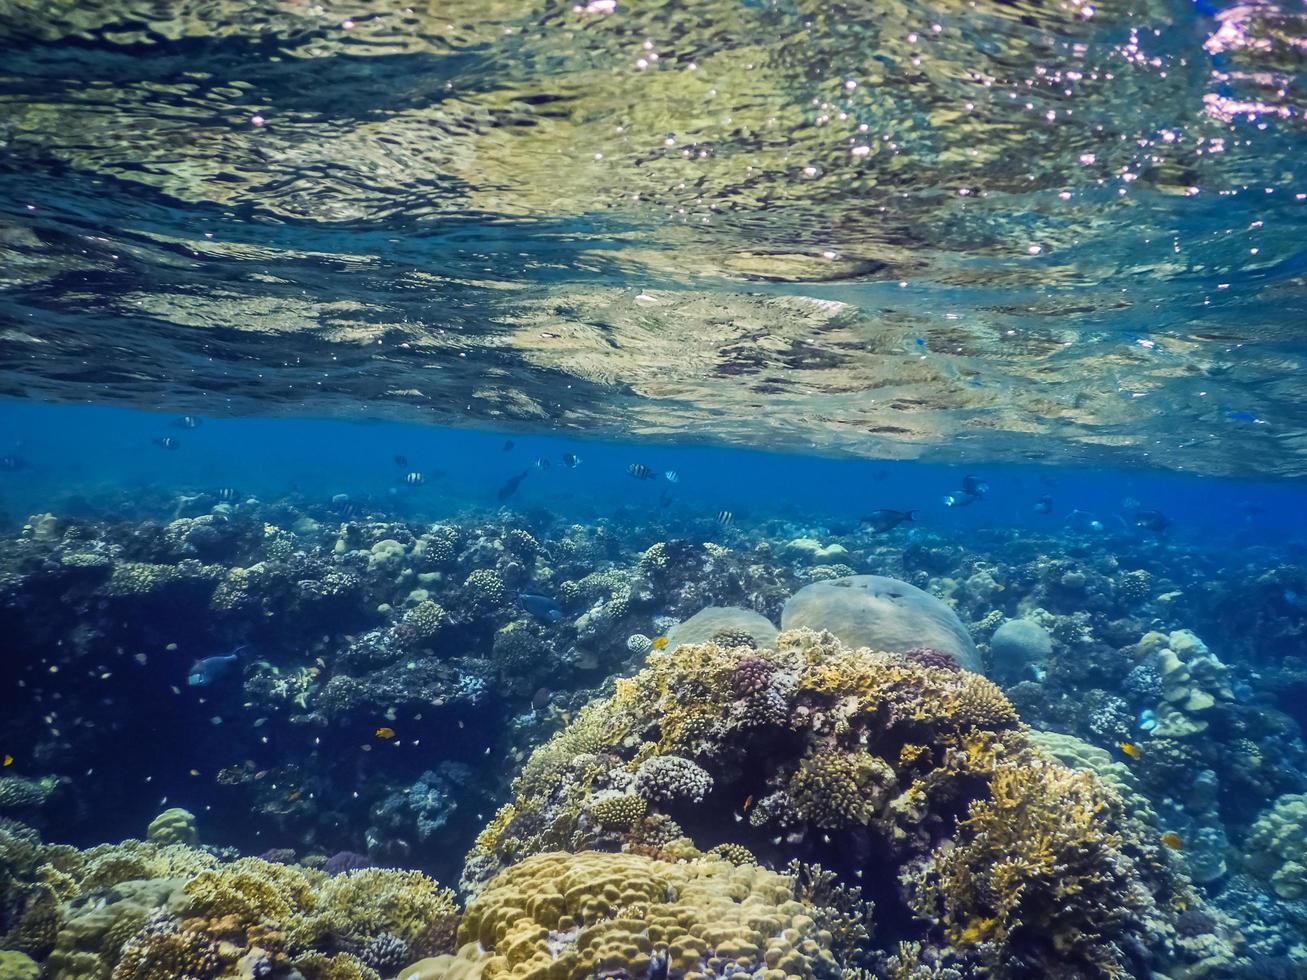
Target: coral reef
x,y
871,764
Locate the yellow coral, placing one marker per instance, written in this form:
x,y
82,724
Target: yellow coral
x,y
835,789
251,889
619,812
376,900
342,966
566,917
1041,858
167,954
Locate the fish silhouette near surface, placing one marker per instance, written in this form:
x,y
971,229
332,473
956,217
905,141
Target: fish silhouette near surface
x,y
541,607
510,488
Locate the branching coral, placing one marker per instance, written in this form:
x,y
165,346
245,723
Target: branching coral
x,y
1040,866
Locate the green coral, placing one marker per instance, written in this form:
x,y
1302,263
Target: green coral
x,y
17,966
173,826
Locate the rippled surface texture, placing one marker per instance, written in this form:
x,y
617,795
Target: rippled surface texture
x,y
1057,231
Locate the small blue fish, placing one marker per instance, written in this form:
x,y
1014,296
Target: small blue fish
x,y
541,607
206,671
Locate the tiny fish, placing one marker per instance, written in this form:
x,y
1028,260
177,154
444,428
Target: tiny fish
x,y
660,643
9,761
167,442
508,445
401,461
12,464
724,518
571,460
641,472
886,520
1173,840
227,494
386,733
414,479
510,488
1044,505
542,463
1132,750
671,476
187,422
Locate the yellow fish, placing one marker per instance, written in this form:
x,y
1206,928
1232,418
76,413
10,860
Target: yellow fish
x,y
1173,840
9,760
1132,750
386,733
659,643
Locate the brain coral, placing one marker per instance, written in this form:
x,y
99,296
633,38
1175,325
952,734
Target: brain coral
x,y
880,613
577,916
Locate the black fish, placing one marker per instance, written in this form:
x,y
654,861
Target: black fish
x,y
12,464
1044,505
541,607
167,442
724,518
510,488
960,498
401,462
508,445
641,472
542,463
1152,520
571,460
887,520
187,422
974,486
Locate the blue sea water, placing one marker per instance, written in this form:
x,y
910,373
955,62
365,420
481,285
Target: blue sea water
x,y
388,393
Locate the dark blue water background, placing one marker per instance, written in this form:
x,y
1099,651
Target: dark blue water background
x,y
75,454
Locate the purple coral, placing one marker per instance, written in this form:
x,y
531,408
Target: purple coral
x,y
345,861
752,674
930,657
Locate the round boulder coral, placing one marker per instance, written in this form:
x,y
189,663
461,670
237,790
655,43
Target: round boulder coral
x,y
882,614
